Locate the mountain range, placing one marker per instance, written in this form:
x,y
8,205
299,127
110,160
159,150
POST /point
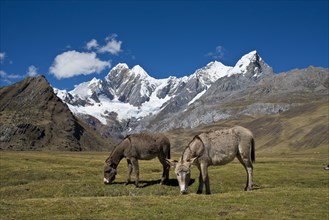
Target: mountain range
x,y
129,100
33,115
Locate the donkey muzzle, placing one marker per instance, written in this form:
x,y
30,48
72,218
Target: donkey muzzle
x,y
184,192
106,181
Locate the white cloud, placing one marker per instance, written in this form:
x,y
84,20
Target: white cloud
x,y
3,74
9,78
14,76
113,46
218,53
92,44
73,63
2,56
32,71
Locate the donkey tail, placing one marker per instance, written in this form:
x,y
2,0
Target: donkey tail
x,y
253,158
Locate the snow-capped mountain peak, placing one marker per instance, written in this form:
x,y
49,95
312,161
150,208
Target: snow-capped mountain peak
x,y
86,89
211,72
251,56
242,65
217,70
94,83
119,69
62,94
139,71
120,66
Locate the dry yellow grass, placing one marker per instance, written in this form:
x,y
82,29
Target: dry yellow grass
x,y
62,185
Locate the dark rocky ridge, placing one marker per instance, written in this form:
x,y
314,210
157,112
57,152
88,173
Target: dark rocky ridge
x,y
32,117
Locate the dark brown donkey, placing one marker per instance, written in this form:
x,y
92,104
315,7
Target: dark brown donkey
x,y
213,149
138,147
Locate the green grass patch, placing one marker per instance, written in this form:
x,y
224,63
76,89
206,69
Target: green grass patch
x,y
65,185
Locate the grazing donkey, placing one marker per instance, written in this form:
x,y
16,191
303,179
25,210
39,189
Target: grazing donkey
x,y
138,147
215,148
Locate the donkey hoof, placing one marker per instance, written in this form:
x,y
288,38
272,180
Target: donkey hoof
x,y
165,182
199,192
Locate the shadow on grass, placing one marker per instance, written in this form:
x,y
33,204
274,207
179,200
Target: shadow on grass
x,y
146,183
170,182
258,186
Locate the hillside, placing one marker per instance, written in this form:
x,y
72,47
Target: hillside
x,y
237,96
299,128
32,117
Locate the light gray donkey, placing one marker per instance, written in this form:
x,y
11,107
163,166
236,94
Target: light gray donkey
x,y
212,149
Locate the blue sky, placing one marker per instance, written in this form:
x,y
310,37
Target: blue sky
x,y
73,41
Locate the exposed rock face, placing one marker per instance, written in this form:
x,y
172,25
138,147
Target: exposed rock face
x,y
130,86
33,118
312,81
232,97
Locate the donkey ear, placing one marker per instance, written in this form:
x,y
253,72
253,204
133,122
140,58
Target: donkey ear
x,y
192,161
172,163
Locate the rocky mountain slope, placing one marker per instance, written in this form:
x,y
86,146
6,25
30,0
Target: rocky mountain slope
x,y
233,97
299,128
32,117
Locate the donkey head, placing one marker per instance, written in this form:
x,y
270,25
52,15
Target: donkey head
x,y
109,173
182,171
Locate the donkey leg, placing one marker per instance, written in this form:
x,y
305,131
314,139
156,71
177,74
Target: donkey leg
x,y
246,162
167,166
130,169
165,173
207,185
200,188
134,162
200,184
205,177
250,178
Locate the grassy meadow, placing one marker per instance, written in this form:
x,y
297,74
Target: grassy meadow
x,y
68,185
